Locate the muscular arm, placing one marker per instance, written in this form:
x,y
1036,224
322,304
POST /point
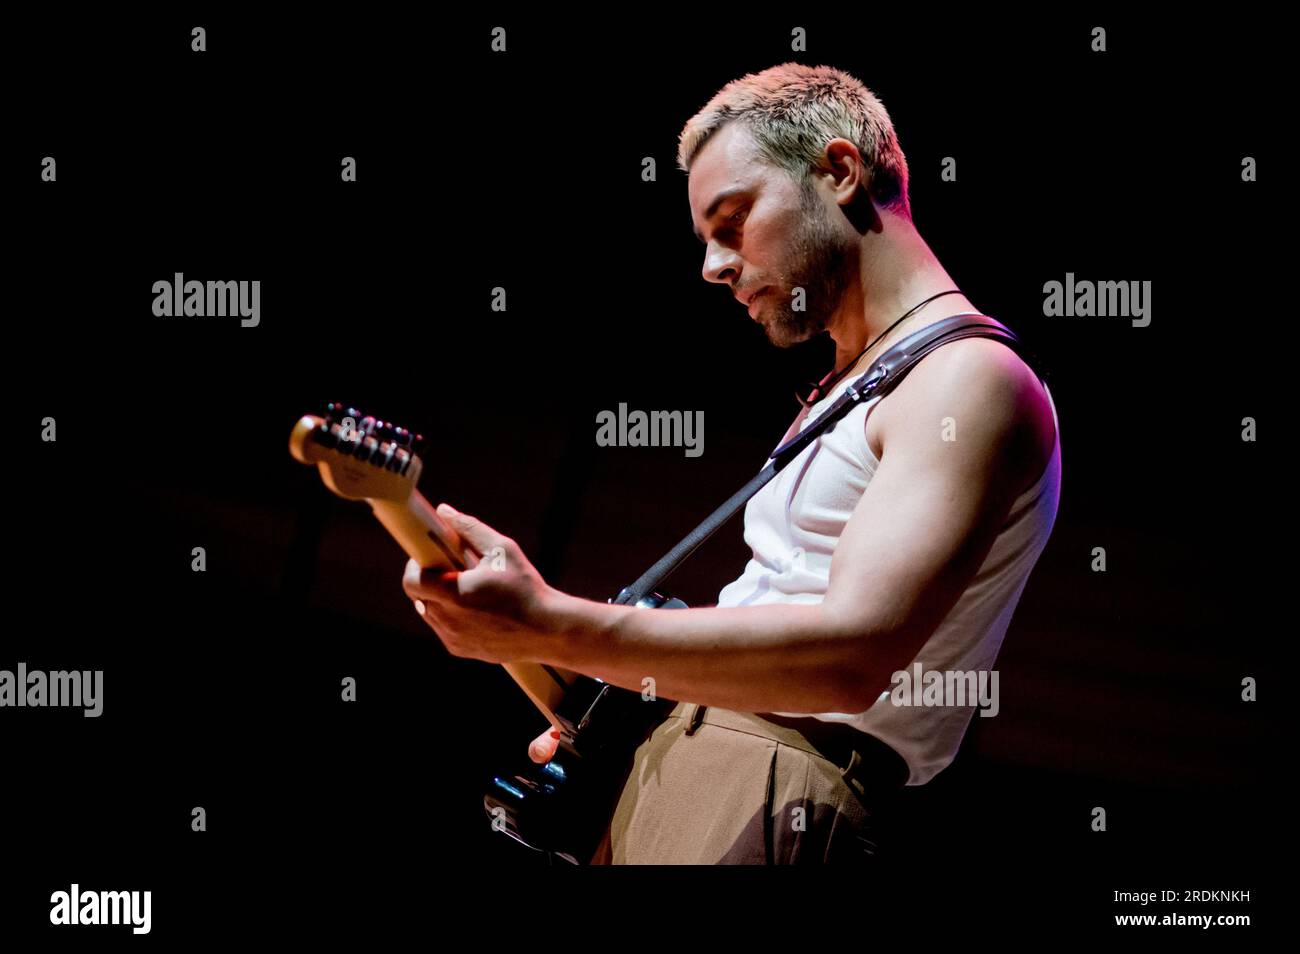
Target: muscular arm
x,y
915,539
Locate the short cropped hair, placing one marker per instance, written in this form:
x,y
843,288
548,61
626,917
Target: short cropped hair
x,y
793,111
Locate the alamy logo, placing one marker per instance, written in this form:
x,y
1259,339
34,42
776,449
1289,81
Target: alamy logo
x,y
102,907
946,687
1086,299
206,299
59,688
657,429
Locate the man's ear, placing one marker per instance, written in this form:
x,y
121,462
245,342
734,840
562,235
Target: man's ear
x,y
841,159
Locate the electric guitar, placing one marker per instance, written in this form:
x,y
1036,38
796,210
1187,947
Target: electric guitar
x,y
561,807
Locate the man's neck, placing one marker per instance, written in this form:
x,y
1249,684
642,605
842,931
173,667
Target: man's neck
x,y
897,272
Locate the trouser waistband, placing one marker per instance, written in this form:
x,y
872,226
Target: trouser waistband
x,y
868,764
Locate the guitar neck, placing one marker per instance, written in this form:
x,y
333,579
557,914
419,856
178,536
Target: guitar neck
x,y
432,543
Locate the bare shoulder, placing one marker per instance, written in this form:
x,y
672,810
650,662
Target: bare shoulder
x,y
983,386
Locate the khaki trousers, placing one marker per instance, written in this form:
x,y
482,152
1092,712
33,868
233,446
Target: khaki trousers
x,y
713,786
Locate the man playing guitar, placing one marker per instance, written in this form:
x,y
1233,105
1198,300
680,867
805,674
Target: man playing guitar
x,y
903,535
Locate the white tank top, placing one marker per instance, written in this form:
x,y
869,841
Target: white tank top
x,y
792,526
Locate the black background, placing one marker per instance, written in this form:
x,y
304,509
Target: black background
x,y
475,169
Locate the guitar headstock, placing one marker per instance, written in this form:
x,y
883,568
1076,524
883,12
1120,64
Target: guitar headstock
x,y
359,456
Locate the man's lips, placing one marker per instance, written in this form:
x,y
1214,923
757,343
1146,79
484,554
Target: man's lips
x,y
754,298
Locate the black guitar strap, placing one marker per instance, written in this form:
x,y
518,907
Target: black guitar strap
x,y
880,378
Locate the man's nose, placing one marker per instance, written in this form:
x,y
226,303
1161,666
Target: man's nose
x,y
721,265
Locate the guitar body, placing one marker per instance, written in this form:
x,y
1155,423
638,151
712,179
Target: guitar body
x,y
562,806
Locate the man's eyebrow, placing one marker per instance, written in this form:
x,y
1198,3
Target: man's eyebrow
x,y
721,197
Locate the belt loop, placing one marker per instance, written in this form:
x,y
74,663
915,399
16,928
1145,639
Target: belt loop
x,y
854,761
697,716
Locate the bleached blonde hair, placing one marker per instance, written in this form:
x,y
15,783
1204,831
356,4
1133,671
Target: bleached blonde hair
x,y
793,111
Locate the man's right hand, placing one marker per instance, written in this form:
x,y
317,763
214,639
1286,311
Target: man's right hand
x,y
544,746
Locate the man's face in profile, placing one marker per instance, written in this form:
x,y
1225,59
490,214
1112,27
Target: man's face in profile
x,y
767,235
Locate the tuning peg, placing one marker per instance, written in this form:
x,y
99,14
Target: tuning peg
x,y
325,436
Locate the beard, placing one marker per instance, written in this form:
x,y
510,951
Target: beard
x,y
821,263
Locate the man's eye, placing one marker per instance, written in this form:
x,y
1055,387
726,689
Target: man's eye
x,y
737,216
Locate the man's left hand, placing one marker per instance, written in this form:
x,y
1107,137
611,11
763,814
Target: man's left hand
x,y
499,611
